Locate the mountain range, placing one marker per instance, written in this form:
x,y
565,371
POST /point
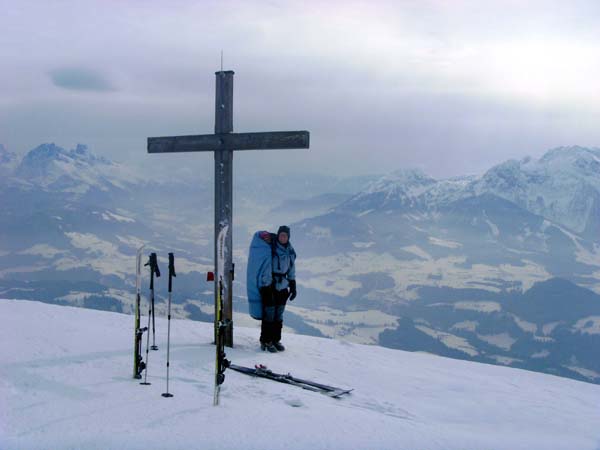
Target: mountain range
x,y
502,267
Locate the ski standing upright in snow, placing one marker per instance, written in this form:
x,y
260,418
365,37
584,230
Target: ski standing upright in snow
x,y
138,364
154,270
171,275
221,323
154,346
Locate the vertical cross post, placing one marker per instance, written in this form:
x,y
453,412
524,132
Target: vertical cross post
x,y
224,193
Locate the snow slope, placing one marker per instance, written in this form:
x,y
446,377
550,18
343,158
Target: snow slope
x,y
65,383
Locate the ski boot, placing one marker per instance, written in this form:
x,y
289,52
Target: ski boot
x,y
268,346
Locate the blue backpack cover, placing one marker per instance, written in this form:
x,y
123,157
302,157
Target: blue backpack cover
x,y
259,257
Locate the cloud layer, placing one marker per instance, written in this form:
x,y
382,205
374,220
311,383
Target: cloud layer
x,y
450,87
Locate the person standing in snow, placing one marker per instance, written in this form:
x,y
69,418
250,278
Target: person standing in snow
x,y
277,285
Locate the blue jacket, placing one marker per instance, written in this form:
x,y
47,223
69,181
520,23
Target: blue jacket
x,y
283,267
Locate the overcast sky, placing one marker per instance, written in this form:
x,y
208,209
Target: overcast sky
x,y
451,87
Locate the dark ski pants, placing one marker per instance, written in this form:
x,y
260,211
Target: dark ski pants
x,y
272,322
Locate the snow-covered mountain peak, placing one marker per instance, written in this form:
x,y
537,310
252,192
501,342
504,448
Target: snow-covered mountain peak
x,y
566,164
409,181
82,153
563,185
584,161
507,175
43,154
448,190
569,153
397,189
81,149
76,170
410,175
38,162
509,180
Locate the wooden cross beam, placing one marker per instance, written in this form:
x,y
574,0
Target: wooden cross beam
x,y
223,143
229,141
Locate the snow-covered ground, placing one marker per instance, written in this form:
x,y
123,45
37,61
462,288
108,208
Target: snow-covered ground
x,y
65,383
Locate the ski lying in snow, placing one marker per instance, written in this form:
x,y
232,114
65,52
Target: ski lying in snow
x,y
261,371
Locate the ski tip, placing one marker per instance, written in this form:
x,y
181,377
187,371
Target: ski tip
x,y
338,393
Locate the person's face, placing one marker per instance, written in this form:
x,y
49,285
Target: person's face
x,y
283,238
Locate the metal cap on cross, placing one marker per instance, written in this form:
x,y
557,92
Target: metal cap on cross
x,y
223,143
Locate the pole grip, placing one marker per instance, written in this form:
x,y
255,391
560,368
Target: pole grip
x,y
153,263
154,270
171,270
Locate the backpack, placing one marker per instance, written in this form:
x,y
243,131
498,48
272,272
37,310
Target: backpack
x,y
259,256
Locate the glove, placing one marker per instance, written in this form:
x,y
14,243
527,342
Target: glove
x,y
293,292
266,294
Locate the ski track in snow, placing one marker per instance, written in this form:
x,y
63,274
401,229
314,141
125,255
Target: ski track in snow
x,y
65,383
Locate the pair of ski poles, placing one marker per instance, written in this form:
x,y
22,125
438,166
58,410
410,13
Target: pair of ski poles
x,y
154,270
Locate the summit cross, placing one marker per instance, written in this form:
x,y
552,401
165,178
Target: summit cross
x,y
223,143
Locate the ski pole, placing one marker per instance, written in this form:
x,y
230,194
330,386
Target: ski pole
x,y
136,332
154,346
152,262
171,275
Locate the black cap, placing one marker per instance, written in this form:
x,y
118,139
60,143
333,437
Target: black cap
x,y
284,229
